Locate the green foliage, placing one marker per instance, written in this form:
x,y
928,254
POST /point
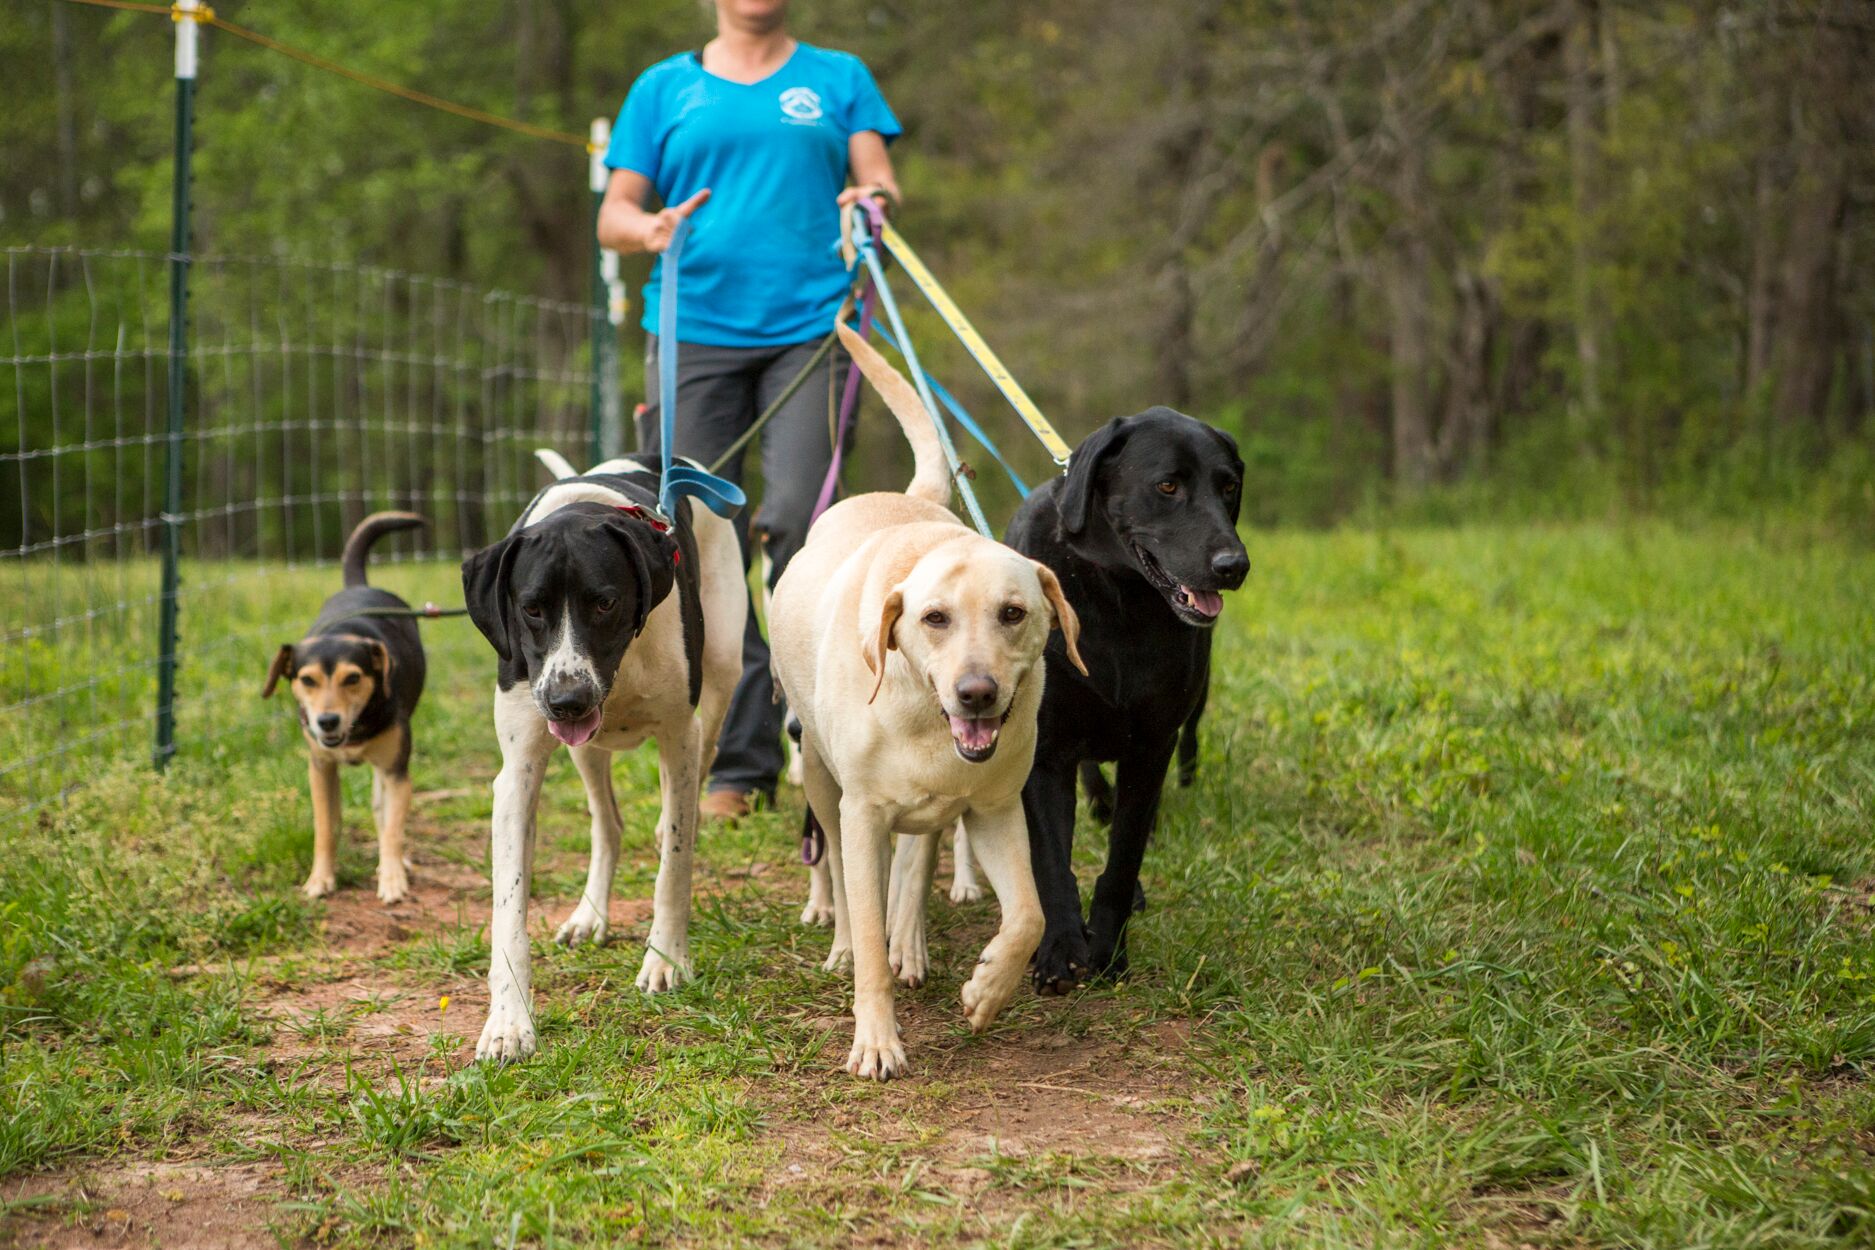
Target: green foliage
x,y
1264,213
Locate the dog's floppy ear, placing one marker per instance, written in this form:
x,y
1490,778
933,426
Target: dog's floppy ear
x,y
653,556
1065,617
282,665
1236,460
385,664
882,642
1077,491
485,579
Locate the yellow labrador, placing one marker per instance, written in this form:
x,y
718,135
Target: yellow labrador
x,y
910,648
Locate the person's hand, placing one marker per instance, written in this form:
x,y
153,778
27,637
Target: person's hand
x,y
853,195
663,224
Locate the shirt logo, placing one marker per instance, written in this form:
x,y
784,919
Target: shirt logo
x,y
801,103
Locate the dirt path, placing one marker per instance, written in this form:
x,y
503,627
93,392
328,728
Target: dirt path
x,y
346,1008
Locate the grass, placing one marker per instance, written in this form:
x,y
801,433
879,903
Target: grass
x,y
1524,898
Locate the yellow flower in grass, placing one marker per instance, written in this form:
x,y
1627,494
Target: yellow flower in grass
x,y
442,1004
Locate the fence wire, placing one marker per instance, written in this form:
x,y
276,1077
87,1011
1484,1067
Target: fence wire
x,y
317,393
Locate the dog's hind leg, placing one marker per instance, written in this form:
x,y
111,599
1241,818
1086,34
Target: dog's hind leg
x,y
865,841
525,747
914,863
667,953
965,888
323,774
819,910
824,796
588,921
1001,840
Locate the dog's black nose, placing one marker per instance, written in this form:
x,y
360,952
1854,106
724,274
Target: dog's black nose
x,y
1231,567
977,694
329,723
569,704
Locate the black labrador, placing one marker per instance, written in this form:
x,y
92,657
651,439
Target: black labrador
x,y
1142,532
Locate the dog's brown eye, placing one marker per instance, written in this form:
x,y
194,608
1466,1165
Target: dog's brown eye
x,y
531,611
936,619
308,682
352,679
602,606
1168,488
1012,615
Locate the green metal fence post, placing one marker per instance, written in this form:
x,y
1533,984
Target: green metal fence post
x,y
608,312
187,47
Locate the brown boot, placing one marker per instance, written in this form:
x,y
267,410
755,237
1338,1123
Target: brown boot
x,y
724,805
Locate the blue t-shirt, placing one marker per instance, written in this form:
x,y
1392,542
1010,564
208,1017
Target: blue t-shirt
x,y
759,266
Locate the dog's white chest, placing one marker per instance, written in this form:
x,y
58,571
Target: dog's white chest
x,y
928,813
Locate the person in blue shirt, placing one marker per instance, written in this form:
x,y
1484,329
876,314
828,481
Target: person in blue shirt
x,y
761,141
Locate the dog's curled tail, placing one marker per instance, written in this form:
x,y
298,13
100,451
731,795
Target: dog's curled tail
x,y
369,530
931,478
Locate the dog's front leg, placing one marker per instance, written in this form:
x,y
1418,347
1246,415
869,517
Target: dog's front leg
x,y
1000,837
914,863
667,955
525,747
323,774
1048,806
865,847
1138,782
588,921
390,793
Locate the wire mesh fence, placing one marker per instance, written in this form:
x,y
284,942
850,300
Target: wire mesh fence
x,y
317,393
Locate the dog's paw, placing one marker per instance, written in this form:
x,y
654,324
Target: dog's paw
x,y
878,1054
965,891
839,959
909,959
658,974
984,997
508,1037
1107,957
320,884
1061,962
393,883
817,914
585,925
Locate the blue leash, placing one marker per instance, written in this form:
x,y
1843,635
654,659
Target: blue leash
x,y
963,418
719,495
863,242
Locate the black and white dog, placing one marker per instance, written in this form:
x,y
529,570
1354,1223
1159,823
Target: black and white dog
x,y
611,627
1142,532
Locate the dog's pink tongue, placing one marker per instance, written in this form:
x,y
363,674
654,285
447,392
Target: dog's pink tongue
x,y
576,732
974,735
1206,602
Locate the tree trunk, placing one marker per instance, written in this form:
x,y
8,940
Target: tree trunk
x,y
1579,94
1407,277
67,125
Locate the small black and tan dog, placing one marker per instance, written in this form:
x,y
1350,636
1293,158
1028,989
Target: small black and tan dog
x,y
356,679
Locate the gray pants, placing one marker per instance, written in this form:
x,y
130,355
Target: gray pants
x,y
720,392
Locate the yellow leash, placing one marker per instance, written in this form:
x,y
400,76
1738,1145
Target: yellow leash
x,y
967,333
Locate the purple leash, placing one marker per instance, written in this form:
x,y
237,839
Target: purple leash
x,y
849,400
